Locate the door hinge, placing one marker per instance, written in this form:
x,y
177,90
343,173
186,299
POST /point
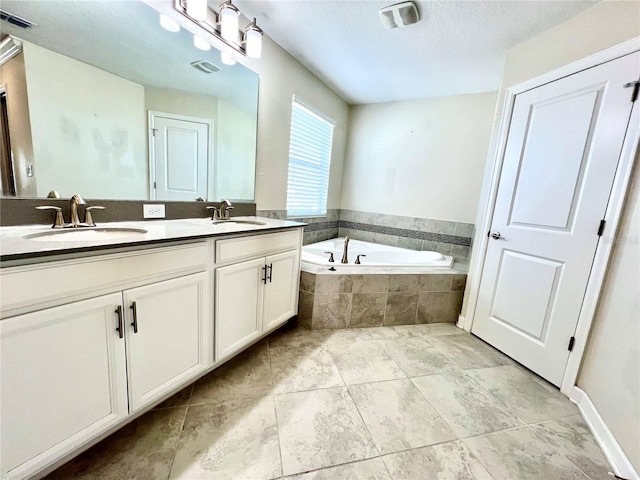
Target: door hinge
x,y
572,340
154,186
636,87
153,131
601,227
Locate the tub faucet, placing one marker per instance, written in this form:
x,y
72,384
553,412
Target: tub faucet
x,y
345,258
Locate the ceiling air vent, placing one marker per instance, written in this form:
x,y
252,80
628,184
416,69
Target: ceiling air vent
x,y
16,20
399,15
204,66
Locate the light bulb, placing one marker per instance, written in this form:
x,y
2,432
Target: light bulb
x,y
169,23
227,59
197,9
229,21
253,41
201,43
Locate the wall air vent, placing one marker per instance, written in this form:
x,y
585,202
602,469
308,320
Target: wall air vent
x,y
399,15
16,20
204,66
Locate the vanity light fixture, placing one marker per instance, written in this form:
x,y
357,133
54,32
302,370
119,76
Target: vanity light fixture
x,y
200,43
224,25
228,18
197,9
252,40
169,23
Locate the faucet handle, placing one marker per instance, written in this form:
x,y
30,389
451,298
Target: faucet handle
x,y
330,256
215,213
88,218
358,258
59,220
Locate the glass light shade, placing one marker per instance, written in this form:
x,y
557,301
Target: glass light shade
x,y
229,22
201,43
169,23
227,59
197,9
253,43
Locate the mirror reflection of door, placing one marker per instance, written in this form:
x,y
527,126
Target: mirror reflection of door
x,y
7,182
179,156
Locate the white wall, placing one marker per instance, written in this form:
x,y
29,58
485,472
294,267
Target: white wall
x,y
420,158
281,76
101,138
610,373
610,370
236,153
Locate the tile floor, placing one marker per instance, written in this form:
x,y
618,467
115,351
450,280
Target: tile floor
x,y
407,402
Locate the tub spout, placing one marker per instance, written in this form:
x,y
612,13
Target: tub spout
x,y
345,258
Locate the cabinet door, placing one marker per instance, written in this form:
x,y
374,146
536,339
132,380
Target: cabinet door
x,y
166,340
239,293
281,289
63,380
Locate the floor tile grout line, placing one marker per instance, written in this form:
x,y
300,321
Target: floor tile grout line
x,y
184,420
503,404
547,442
375,444
275,410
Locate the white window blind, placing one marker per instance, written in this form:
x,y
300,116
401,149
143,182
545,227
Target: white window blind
x,y
309,161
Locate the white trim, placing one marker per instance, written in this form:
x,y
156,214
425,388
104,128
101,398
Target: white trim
x,y
603,251
313,110
611,448
613,214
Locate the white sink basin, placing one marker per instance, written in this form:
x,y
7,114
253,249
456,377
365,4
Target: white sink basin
x,y
86,234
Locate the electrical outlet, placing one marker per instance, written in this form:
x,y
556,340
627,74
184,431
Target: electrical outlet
x,y
153,211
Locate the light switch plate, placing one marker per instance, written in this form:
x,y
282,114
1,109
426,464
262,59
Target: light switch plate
x,y
153,211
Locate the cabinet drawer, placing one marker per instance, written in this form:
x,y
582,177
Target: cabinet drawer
x,y
34,287
257,245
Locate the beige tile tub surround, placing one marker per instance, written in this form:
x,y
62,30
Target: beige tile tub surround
x,y
333,301
413,233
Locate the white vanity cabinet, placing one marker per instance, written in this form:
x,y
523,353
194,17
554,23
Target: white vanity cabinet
x,y
63,379
164,335
89,341
72,371
256,287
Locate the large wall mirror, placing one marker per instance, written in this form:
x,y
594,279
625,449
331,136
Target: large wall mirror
x,y
104,102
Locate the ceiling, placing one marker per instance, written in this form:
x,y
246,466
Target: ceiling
x,y
457,47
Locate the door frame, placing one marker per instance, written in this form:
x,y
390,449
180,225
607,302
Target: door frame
x,y
151,116
613,213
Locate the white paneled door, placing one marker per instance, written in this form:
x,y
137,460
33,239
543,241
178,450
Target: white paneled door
x,y
179,157
562,151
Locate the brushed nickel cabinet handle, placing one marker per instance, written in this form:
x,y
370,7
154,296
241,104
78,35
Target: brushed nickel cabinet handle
x,y
134,324
119,328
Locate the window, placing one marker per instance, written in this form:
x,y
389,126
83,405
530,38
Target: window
x,y
309,161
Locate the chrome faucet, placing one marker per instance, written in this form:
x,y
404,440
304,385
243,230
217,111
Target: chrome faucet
x,y
345,258
75,201
225,206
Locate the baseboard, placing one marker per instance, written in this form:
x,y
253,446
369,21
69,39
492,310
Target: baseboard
x,y
612,450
